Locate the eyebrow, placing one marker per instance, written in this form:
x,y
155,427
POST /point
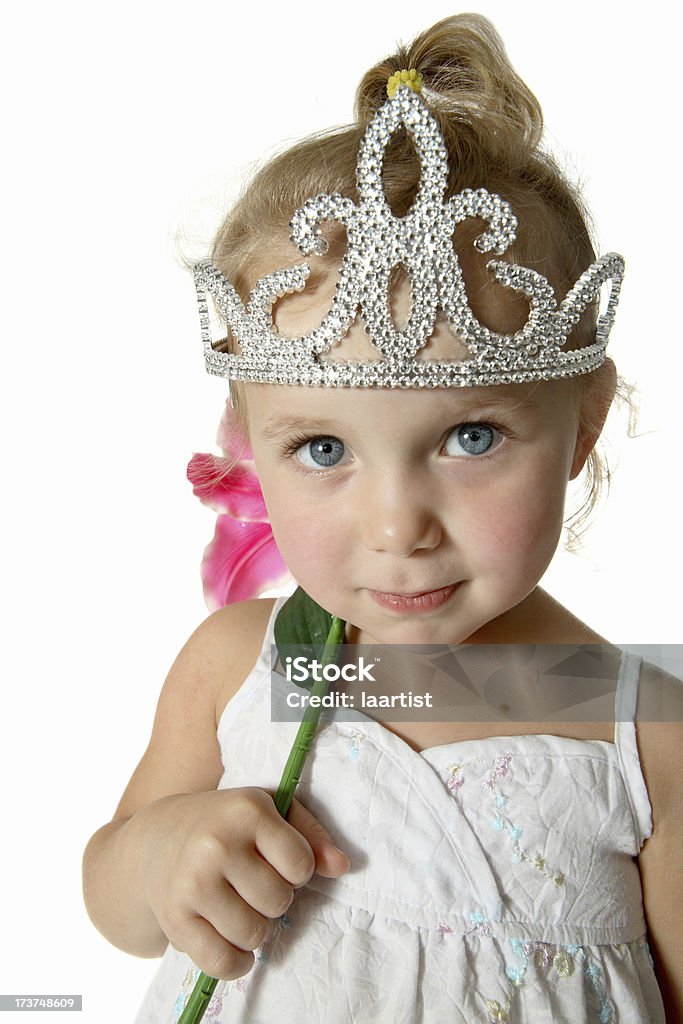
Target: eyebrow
x,y
283,424
278,425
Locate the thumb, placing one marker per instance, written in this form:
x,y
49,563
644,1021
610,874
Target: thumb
x,y
330,861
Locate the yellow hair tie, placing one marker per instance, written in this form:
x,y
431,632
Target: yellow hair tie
x,y
412,78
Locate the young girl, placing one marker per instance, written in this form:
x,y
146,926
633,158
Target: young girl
x,y
414,463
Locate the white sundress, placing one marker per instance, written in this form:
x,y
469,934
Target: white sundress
x,y
492,881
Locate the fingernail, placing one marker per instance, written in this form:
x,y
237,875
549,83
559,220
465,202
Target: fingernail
x,y
345,855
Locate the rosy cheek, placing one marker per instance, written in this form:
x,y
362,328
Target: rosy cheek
x,y
515,529
490,538
308,541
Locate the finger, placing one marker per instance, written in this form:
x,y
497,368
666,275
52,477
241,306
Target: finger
x,y
211,952
282,846
260,884
233,919
330,861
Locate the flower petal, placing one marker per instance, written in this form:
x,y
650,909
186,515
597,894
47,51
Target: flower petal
x,y
230,437
236,491
241,562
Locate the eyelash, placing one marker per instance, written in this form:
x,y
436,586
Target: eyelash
x,y
290,447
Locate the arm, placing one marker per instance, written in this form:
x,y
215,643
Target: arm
x,y
205,869
182,757
661,858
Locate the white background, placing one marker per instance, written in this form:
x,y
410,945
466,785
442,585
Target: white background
x,y
126,128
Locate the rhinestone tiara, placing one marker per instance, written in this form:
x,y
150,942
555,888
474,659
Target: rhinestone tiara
x,y
422,243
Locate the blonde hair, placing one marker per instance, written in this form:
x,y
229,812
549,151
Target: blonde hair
x,y
492,125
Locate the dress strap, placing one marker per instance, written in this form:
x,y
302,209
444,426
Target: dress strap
x,y
269,635
627,747
627,687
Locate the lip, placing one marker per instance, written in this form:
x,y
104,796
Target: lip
x,y
424,601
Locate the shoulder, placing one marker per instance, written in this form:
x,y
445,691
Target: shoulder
x,y
659,725
659,721
222,650
234,636
183,754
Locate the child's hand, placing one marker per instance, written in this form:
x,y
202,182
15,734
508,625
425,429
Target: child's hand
x,y
220,866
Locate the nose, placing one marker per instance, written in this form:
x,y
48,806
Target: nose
x,y
399,516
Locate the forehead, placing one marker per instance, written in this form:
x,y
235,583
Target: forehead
x,y
279,408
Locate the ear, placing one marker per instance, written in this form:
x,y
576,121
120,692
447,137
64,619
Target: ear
x,y
597,397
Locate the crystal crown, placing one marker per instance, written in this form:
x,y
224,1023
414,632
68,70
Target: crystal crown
x,y
422,243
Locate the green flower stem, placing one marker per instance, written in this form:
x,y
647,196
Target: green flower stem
x,y
204,986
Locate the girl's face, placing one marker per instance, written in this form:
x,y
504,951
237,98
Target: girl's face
x,y
404,491
387,490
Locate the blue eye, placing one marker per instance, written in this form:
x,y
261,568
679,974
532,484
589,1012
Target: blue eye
x,y
323,451
474,438
474,441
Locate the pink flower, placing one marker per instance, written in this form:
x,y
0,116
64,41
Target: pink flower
x,y
243,559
